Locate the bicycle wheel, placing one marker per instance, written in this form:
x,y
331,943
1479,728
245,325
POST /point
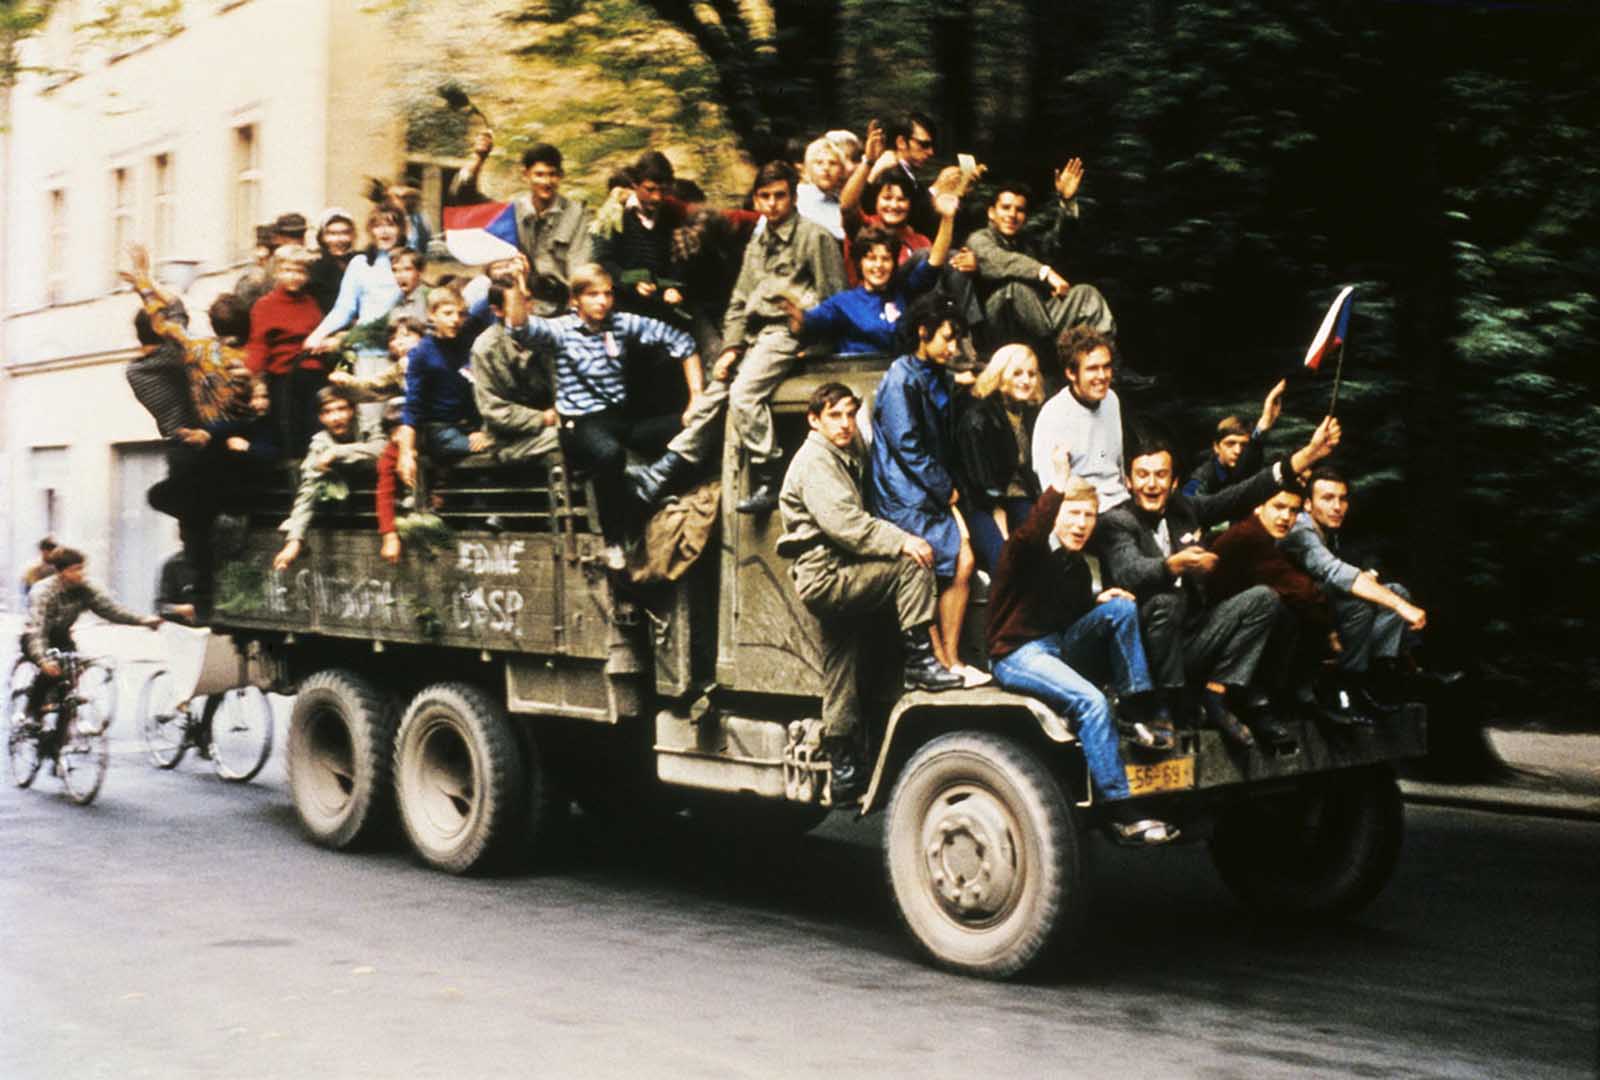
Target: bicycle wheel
x,y
239,723
22,742
163,720
96,697
83,757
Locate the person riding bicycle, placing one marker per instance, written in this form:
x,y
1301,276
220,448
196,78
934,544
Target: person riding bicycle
x,y
55,605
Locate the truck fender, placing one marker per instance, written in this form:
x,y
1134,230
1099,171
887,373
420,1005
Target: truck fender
x,y
915,709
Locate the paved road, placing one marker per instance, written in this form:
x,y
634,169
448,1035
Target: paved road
x,y
179,927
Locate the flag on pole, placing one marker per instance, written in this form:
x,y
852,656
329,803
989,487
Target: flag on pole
x,y
1331,334
480,232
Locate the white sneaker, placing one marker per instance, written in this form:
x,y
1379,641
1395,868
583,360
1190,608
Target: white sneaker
x,y
971,676
615,559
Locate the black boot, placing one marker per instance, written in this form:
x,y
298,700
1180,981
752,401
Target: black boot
x,y
849,771
923,670
651,483
765,479
1336,705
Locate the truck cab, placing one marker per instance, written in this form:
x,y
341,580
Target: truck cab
x,y
499,673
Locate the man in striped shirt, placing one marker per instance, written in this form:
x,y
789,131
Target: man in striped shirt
x,y
592,346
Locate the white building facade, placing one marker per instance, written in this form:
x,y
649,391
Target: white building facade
x,y
183,141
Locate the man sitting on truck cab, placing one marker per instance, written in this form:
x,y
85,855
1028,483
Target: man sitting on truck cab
x,y
1151,546
513,386
847,563
337,446
1056,633
1377,623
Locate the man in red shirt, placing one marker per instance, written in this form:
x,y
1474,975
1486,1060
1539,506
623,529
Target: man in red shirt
x,y
279,325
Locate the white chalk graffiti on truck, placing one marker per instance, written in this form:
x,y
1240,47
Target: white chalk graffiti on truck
x,y
494,609
493,557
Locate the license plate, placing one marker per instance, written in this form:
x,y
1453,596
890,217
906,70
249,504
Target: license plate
x,y
1173,774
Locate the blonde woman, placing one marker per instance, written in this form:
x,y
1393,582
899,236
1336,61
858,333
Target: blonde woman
x,y
994,436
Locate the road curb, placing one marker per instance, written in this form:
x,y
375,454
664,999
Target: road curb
x,y
1503,799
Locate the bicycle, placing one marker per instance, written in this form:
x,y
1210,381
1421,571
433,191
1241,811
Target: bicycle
x,y
233,729
71,728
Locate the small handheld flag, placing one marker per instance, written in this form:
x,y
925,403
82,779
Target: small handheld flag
x,y
481,232
1331,335
1332,331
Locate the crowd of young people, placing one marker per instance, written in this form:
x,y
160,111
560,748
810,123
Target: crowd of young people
x,y
590,342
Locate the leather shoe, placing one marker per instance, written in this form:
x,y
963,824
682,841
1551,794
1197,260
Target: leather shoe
x,y
763,498
649,483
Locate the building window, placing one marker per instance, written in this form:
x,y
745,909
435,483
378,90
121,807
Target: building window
x,y
122,223
246,189
161,206
56,253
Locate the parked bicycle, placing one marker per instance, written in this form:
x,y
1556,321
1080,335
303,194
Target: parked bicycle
x,y
69,727
232,729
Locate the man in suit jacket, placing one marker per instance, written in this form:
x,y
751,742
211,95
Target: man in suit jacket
x,y
1151,546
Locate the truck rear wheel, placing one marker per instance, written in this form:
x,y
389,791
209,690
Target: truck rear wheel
x,y
459,777
341,746
1325,851
982,855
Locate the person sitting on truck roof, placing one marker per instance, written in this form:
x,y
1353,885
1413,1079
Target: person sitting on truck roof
x,y
912,450
1025,298
1151,547
1236,449
592,346
338,446
1057,633
994,450
513,385
1377,623
848,563
439,397
787,257
862,320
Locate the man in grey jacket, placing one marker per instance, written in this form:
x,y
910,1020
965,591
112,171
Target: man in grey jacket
x,y
1370,618
847,563
512,385
1025,296
788,258
552,230
339,445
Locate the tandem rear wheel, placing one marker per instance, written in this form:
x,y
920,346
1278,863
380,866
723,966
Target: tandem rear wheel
x,y
340,756
472,795
1322,852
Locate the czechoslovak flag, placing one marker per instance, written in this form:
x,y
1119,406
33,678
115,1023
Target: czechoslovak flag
x,y
481,232
1331,333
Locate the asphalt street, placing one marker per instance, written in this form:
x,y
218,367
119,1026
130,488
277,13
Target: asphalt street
x,y
180,927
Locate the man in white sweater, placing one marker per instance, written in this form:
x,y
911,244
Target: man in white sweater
x,y
1085,417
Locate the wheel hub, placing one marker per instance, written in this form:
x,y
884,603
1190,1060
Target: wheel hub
x,y
971,852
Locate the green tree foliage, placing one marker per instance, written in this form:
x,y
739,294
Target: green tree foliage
x,y
1245,160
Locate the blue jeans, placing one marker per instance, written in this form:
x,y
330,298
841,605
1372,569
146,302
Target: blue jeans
x,y
1103,642
446,442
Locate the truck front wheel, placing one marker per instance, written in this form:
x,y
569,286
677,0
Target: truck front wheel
x,y
982,855
459,777
1325,851
341,739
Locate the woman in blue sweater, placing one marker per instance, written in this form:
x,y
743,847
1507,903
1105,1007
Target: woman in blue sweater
x,y
862,320
910,483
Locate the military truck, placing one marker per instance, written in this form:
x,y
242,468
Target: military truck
x,y
500,673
